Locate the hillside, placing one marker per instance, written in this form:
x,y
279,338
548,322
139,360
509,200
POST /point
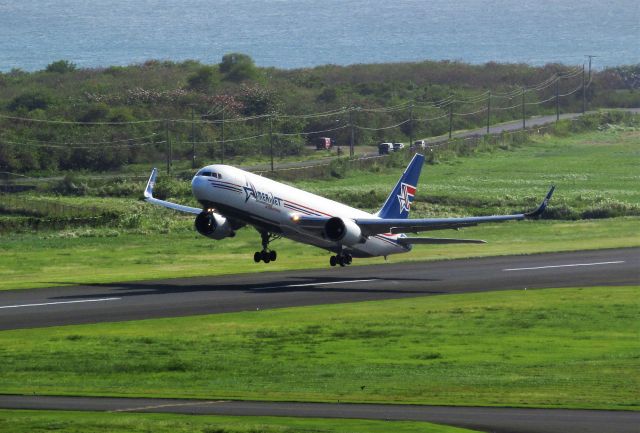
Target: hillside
x,y
65,118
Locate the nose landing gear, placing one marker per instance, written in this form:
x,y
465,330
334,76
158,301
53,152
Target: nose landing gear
x,y
266,255
341,259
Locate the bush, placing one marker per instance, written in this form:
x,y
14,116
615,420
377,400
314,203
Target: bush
x,y
95,113
61,67
70,185
339,167
204,79
30,101
238,67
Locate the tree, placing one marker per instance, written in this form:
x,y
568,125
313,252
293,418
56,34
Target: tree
x,y
61,67
238,67
203,79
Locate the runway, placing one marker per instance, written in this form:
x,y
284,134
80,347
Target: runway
x,y
249,292
490,419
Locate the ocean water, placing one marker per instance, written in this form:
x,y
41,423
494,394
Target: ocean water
x,y
304,33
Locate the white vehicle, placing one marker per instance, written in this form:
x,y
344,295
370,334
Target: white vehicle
x,y
385,148
232,198
419,144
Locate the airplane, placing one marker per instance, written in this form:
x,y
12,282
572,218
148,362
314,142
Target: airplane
x,y
232,198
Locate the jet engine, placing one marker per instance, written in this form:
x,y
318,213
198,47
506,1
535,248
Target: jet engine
x,y
345,231
213,226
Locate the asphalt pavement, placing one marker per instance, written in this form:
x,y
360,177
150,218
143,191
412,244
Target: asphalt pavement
x,y
489,419
249,292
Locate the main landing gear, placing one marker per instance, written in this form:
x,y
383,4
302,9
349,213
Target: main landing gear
x,y
266,255
341,259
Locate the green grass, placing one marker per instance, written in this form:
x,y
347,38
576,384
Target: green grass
x,y
569,347
596,173
80,256
593,172
23,421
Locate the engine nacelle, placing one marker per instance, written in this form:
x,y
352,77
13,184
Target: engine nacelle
x,y
213,226
345,231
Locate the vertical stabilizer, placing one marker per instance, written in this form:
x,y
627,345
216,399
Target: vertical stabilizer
x,y
398,204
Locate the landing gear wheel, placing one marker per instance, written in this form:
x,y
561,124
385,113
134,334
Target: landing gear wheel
x,y
341,259
266,257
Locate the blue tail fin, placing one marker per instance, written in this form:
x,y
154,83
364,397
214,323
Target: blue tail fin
x,y
399,201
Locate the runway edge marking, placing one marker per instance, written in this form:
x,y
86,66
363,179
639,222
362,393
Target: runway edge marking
x,y
41,304
565,266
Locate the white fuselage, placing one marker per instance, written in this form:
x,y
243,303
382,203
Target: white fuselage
x,y
271,206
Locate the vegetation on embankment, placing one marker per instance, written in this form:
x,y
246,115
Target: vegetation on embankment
x,y
569,347
592,161
120,111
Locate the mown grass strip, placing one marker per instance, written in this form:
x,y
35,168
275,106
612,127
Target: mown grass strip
x,y
24,421
570,347
83,257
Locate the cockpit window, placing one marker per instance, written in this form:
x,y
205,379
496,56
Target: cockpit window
x,y
209,174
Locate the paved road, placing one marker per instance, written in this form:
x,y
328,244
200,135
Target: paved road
x,y
221,294
490,419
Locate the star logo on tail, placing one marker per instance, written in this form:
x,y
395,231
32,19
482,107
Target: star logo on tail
x,y
407,192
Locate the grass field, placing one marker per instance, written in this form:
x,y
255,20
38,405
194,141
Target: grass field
x,y
24,421
82,256
594,172
573,347
597,174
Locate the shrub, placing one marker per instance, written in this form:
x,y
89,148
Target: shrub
x,y
204,79
61,67
70,185
30,101
339,167
238,67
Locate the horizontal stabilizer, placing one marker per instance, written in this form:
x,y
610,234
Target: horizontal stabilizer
x,y
415,241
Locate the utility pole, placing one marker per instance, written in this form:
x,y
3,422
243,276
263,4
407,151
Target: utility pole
x,y
588,82
222,147
488,112
351,141
590,57
450,119
584,93
557,99
169,149
523,112
193,137
271,139
411,125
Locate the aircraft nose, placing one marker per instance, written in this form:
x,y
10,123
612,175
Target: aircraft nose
x,y
198,186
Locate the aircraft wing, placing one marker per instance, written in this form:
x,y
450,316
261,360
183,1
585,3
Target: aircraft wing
x,y
375,226
431,241
148,196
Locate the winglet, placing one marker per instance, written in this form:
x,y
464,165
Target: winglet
x,y
536,213
148,191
